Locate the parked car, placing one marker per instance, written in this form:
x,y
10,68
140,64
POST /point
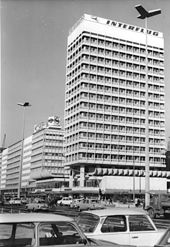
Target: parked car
x,y
24,200
75,202
165,240
120,225
36,206
15,201
159,205
65,201
89,204
35,229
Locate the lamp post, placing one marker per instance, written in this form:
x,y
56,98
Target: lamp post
x,y
24,105
144,14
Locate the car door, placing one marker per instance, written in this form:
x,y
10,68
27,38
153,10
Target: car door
x,y
17,234
141,231
59,234
113,229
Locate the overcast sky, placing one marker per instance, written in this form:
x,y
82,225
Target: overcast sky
x,y
33,54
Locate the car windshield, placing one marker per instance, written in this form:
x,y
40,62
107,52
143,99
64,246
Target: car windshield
x,y
87,222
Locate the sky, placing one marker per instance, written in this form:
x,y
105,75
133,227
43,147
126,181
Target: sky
x,y
33,55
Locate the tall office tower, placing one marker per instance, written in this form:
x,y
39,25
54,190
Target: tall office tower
x,y
105,99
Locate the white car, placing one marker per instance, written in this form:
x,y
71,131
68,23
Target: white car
x,y
165,240
90,204
36,230
120,225
15,201
36,205
75,202
67,201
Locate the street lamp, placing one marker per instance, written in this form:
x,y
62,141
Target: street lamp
x,y
24,105
144,14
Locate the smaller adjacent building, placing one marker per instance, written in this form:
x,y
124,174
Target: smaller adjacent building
x,y
47,160
42,162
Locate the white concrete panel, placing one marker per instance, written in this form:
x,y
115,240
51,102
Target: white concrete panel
x,y
115,32
126,183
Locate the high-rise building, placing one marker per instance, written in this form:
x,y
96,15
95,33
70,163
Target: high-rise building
x,y
105,99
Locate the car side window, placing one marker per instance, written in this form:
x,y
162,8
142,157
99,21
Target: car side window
x,y
140,223
115,223
5,231
17,234
59,233
25,234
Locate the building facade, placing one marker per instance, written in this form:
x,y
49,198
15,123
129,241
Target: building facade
x,y
10,164
105,102
43,160
47,160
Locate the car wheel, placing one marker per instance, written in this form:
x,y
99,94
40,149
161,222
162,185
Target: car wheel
x,y
151,213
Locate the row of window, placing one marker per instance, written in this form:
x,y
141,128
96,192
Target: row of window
x,y
113,67
112,108
105,108
120,59
127,97
134,86
111,42
112,80
113,147
114,118
113,137
111,128
93,92
112,51
135,105
115,73
111,157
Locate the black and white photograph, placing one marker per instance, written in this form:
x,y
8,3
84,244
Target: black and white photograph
x,y
85,123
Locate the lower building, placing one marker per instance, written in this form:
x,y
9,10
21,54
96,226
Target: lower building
x,y
42,161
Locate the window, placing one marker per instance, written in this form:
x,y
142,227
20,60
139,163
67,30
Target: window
x,y
139,223
60,233
87,222
116,223
5,231
21,234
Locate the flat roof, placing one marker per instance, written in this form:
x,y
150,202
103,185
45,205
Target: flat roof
x,y
32,217
117,211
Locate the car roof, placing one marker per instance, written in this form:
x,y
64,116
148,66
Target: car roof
x,y
116,211
32,217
